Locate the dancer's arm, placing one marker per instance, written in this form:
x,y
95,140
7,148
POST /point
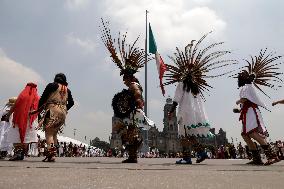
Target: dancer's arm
x,y
278,102
70,101
241,101
236,110
138,96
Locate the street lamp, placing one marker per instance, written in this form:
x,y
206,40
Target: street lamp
x,y
74,132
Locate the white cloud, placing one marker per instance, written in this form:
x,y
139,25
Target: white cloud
x,y
76,4
87,45
174,23
202,1
15,75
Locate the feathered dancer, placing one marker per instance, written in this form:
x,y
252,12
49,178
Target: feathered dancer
x,y
128,58
260,71
192,67
128,104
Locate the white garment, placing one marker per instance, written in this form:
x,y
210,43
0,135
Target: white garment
x,y
33,149
60,150
4,128
248,92
191,113
14,134
140,118
251,122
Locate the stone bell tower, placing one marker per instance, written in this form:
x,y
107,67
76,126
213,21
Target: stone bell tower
x,y
170,129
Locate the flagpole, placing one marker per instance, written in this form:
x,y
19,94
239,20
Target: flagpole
x,y
146,147
146,56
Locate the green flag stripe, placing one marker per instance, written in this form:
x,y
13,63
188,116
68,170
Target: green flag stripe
x,y
152,42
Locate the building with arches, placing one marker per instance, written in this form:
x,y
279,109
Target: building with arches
x,y
167,141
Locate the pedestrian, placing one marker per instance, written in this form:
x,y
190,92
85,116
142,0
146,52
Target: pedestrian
x,y
55,100
260,71
128,104
190,71
23,127
5,146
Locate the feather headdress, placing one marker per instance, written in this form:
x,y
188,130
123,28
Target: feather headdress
x,y
194,64
128,58
262,71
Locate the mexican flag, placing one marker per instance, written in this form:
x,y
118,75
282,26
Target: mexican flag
x,y
159,61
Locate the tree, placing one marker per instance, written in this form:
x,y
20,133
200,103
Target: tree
x,y
100,144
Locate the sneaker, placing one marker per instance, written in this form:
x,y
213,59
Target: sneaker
x,y
201,157
272,161
130,161
184,161
17,157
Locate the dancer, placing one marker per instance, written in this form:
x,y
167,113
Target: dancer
x,y
128,104
23,127
190,71
55,100
5,146
260,71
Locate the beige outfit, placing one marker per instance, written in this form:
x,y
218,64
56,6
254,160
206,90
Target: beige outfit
x,y
56,109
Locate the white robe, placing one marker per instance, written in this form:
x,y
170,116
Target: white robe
x,y
191,114
30,137
13,134
4,128
249,93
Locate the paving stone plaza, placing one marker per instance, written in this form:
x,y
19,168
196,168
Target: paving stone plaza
x,y
161,173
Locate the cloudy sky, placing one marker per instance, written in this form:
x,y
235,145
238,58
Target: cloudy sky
x,y
41,38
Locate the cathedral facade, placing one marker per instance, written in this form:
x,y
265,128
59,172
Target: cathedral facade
x,y
167,141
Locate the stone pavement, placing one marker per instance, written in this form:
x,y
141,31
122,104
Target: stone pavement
x,y
108,173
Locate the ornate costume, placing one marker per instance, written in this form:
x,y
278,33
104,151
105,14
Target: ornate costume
x,y
190,69
56,100
23,127
128,103
191,113
260,71
250,113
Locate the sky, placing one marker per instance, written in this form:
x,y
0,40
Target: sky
x,y
41,38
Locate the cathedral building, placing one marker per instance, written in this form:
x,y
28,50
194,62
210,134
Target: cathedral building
x,y
167,141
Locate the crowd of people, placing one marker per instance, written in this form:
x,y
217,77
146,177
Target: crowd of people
x,y
69,149
229,151
63,149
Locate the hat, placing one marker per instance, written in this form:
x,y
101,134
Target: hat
x,y
11,101
261,71
60,78
126,56
194,64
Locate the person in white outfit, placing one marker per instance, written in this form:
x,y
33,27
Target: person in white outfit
x,y
190,70
258,72
5,146
23,127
